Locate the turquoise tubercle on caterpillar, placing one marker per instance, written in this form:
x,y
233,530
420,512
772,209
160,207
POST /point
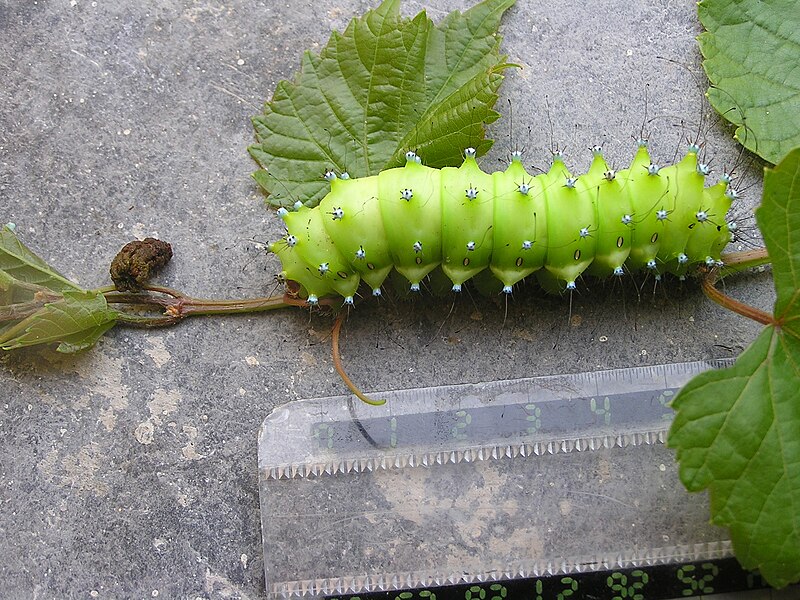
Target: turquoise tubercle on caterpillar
x,y
555,226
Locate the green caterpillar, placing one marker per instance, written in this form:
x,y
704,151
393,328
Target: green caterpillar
x,y
556,226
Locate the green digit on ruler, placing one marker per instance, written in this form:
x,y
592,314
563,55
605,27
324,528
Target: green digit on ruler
x,y
324,433
686,574
664,398
567,592
708,577
618,582
538,590
605,411
459,430
534,417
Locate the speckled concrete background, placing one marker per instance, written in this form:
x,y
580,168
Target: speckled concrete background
x,y
130,471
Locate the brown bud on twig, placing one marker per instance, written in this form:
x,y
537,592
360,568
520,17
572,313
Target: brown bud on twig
x,y
133,266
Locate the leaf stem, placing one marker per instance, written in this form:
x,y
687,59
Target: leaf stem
x,y
146,321
19,310
39,297
735,262
337,363
712,293
176,306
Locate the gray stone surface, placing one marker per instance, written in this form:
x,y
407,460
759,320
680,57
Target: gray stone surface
x,y
130,471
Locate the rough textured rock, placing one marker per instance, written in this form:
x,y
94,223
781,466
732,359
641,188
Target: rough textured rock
x,y
130,470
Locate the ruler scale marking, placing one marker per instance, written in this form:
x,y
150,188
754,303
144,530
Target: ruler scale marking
x,y
466,484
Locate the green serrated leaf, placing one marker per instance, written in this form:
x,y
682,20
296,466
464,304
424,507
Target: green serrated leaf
x,y
778,219
263,179
83,340
441,146
76,322
737,430
751,50
15,293
19,262
259,156
386,85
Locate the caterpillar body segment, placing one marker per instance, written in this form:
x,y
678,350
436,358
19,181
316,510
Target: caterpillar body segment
x,y
613,203
571,225
716,201
294,269
467,220
647,188
413,219
519,224
318,252
356,200
686,185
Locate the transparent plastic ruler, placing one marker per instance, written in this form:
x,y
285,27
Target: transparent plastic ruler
x,y
542,480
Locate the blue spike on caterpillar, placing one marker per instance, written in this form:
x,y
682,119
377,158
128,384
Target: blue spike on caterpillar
x,y
555,226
